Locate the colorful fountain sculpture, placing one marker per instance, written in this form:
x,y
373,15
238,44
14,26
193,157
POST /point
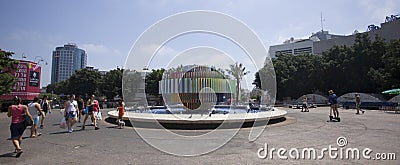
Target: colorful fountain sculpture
x,y
197,88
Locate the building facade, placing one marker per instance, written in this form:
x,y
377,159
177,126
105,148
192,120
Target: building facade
x,y
66,60
321,41
302,46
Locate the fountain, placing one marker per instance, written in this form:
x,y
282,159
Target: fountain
x,y
194,97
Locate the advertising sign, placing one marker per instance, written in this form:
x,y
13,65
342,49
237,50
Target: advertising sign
x,y
27,86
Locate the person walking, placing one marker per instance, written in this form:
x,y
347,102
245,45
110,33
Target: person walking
x,y
81,107
332,98
45,104
70,112
17,126
358,104
90,104
121,111
304,106
35,110
96,109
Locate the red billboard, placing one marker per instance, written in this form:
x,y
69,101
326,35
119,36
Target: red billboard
x,y
28,81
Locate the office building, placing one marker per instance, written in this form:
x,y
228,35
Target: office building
x,y
66,60
321,41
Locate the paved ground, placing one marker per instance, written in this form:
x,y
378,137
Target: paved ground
x,y
379,131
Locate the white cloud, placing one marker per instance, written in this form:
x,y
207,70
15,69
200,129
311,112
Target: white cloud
x,y
379,9
99,49
163,51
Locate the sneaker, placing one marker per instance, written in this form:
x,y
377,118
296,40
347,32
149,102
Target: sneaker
x,y
41,126
96,128
83,127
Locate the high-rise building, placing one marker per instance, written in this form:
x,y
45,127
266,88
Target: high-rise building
x,y
66,60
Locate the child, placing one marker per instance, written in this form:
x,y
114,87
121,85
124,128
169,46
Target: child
x,y
120,110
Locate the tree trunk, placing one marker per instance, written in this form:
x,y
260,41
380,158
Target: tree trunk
x,y
237,91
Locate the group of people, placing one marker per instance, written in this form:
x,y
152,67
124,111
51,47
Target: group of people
x,y
35,113
332,99
74,109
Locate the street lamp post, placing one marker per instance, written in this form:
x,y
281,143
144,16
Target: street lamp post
x,y
36,58
41,59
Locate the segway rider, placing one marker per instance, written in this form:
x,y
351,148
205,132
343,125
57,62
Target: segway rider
x,y
332,98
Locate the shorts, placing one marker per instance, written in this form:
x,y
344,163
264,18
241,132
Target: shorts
x,y
72,115
333,105
357,106
17,130
304,105
90,110
36,120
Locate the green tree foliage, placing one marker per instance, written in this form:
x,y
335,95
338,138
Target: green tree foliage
x,y
388,76
111,84
237,71
152,81
295,72
57,88
134,88
7,80
84,82
366,66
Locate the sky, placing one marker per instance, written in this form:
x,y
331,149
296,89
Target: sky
x,y
107,29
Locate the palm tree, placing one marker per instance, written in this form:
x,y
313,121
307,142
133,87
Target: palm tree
x,y
238,72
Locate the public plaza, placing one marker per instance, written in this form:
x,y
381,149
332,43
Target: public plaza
x,y
376,130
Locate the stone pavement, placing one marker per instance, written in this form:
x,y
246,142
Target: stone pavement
x,y
379,131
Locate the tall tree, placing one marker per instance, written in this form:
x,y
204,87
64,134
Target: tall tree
x,y
84,82
237,71
152,82
111,84
7,80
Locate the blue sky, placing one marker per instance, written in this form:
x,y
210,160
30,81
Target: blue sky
x,y
107,29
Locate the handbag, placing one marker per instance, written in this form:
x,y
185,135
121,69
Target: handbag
x,y
98,116
86,110
63,123
27,121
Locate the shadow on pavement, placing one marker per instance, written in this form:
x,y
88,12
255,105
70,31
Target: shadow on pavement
x,y
11,154
23,137
64,132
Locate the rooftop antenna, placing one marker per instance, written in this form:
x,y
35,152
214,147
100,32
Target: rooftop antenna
x,y
322,24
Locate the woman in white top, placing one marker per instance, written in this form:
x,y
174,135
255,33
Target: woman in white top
x,y
34,109
70,112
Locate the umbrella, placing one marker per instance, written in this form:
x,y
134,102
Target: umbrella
x,y
392,91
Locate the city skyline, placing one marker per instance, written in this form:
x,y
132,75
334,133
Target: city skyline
x,y
107,32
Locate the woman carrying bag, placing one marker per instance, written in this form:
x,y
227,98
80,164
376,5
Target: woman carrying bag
x,y
17,113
